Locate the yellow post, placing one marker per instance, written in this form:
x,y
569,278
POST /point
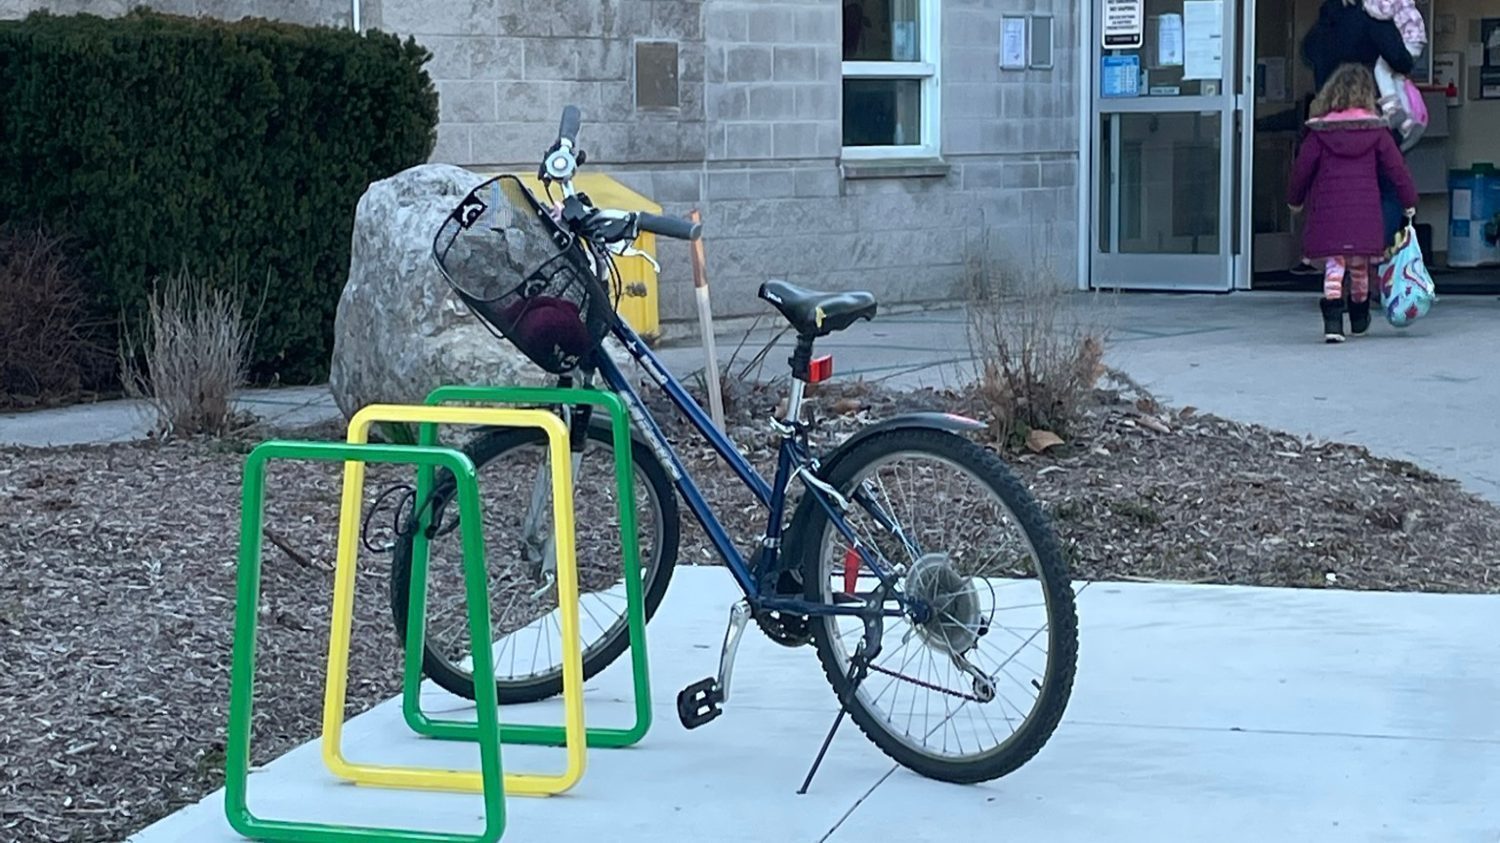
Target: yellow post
x,y
336,689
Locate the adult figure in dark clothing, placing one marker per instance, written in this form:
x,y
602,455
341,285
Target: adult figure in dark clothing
x,y
1342,33
1345,34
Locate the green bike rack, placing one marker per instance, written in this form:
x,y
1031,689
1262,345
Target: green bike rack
x,y
247,610
416,627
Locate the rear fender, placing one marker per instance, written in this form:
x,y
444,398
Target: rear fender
x,y
796,531
929,421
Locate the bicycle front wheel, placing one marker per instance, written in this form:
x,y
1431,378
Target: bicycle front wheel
x,y
515,490
974,690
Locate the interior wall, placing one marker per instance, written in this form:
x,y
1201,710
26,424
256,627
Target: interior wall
x,y
1477,121
1474,123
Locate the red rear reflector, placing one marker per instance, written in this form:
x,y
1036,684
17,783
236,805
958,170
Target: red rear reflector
x,y
820,369
851,570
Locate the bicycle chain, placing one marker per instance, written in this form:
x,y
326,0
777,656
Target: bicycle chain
x,y
928,685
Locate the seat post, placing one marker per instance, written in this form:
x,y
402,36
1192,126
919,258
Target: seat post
x,y
801,362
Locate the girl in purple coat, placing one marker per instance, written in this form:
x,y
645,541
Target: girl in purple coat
x,y
1337,175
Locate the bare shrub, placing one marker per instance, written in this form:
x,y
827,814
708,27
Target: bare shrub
x,y
1037,346
735,382
49,347
191,358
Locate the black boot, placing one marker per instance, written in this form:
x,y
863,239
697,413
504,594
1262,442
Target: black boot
x,y
1333,319
1359,317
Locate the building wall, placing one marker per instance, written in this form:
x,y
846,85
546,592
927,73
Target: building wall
x,y
755,142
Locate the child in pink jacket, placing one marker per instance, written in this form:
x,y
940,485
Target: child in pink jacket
x,y
1337,175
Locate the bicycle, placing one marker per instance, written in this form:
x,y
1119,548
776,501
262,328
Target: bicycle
x,y
817,579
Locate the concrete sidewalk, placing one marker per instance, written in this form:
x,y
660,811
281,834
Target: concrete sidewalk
x,y
1430,394
125,421
1200,713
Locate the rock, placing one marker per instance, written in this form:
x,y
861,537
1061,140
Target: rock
x,y
400,331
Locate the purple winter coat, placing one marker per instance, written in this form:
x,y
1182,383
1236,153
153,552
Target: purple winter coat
x,y
1337,176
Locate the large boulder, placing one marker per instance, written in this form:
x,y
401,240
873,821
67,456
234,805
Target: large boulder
x,y
400,332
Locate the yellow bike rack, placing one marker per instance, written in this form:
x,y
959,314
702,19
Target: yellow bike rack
x,y
335,697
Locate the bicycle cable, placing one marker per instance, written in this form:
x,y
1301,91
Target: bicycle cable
x,y
406,504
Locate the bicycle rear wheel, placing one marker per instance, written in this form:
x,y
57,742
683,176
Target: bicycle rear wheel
x,y
970,694
518,534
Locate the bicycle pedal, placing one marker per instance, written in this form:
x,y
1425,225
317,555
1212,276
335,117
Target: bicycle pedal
x,y
699,703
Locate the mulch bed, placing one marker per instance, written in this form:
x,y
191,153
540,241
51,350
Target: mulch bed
x,y
117,575
1145,492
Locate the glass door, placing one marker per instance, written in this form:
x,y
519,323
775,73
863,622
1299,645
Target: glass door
x,y
1165,147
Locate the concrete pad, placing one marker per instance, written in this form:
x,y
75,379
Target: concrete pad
x,y
1200,712
1137,784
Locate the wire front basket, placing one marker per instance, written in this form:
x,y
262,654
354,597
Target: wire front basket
x,y
524,275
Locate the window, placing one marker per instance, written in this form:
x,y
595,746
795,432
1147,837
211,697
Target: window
x,y
891,79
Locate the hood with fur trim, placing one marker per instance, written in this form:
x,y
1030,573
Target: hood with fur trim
x,y
1351,133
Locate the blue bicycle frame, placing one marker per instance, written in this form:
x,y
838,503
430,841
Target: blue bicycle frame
x,y
756,580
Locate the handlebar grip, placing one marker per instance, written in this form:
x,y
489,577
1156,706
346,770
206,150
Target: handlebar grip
x,y
571,119
677,229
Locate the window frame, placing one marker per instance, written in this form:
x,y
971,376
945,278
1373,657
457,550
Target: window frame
x,y
928,70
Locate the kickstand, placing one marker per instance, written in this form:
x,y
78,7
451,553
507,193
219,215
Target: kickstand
x,y
857,671
859,668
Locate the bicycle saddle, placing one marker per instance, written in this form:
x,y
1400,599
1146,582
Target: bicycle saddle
x,y
816,314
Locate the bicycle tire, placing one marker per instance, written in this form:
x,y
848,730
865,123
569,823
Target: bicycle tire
x,y
494,445
1051,569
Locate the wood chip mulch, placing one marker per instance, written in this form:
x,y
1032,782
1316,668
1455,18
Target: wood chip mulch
x,y
117,573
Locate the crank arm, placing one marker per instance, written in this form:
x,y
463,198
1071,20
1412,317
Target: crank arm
x,y
739,615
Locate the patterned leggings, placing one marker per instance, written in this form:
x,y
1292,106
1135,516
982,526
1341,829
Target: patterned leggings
x,y
1356,269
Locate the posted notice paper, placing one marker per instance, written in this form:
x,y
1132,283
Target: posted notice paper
x,y
1203,22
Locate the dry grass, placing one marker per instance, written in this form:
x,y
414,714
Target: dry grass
x,y
49,349
195,349
1038,350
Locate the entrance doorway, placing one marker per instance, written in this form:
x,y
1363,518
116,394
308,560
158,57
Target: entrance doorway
x,y
1192,116
1458,138
1167,146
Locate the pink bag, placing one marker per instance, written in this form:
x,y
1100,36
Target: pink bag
x,y
1416,104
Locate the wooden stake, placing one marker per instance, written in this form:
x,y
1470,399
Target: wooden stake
x,y
706,329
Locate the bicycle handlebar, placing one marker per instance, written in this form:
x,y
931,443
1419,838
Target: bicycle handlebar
x,y
561,162
568,130
674,227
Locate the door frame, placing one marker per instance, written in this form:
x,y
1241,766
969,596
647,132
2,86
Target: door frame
x,y
1243,255
1236,148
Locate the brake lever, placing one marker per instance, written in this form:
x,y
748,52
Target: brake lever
x,y
627,249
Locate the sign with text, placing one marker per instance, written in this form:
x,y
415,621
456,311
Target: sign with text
x,y
1124,24
1120,76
